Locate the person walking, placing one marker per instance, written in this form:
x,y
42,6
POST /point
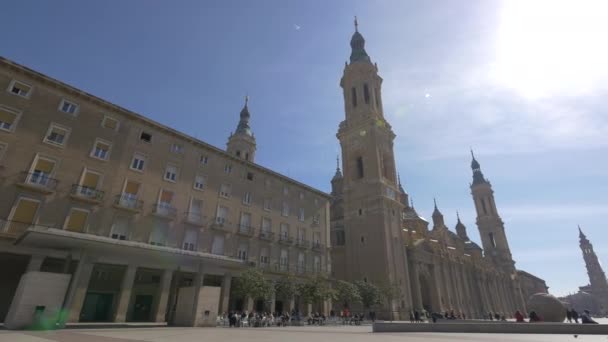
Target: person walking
x,y
569,316
586,318
417,316
519,317
575,316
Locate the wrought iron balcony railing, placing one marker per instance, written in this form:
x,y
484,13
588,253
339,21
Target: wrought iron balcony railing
x,y
86,192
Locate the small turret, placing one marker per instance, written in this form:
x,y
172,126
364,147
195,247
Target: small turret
x,y
242,142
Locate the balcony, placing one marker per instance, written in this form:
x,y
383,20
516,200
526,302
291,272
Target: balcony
x,y
86,194
246,230
266,235
128,202
221,224
302,243
164,210
38,181
317,246
195,219
285,239
12,229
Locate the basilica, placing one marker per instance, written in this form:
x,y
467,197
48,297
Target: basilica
x,y
378,236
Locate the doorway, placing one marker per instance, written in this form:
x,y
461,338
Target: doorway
x,y
97,307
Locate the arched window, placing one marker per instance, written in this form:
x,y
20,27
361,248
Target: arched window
x,y
366,93
483,206
377,96
354,96
492,241
238,153
360,167
246,155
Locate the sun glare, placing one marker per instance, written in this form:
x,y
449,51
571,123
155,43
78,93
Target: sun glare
x,y
552,47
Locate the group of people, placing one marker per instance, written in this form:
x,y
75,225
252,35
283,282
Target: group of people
x,y
257,319
572,315
348,318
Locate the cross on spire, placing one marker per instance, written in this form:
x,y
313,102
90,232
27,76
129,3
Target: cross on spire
x,y
337,162
246,100
356,25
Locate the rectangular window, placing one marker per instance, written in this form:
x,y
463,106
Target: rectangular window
x,y
377,96
76,220
301,262
110,123
284,260
227,168
23,215
196,210
225,190
264,259
171,173
317,263
266,225
8,118
20,89
101,149
301,234
316,219
316,238
301,195
130,194
138,162
190,239
145,137
267,204
222,214
353,92
285,209
301,214
199,182
204,160
3,148
250,176
41,171
247,198
217,247
89,181
245,223
390,193
158,235
242,251
120,228
284,230
57,135
340,238
177,148
68,107
285,191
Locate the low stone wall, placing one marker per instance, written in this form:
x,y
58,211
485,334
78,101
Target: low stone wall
x,y
493,328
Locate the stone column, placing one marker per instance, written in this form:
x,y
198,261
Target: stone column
x,y
78,289
197,284
124,297
163,296
439,286
225,299
308,309
416,287
273,301
249,307
292,305
35,263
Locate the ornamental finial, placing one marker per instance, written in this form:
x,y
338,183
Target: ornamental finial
x,y
356,25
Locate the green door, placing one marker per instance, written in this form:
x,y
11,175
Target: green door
x,y
97,307
143,308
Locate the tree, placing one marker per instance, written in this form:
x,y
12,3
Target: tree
x,y
314,290
252,284
370,294
286,288
346,293
390,292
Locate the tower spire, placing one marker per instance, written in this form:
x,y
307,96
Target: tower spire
x,y
356,25
242,142
357,44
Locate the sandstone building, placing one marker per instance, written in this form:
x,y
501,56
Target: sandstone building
x,y
378,236
134,211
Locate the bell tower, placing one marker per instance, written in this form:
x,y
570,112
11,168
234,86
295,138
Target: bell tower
x,y
597,277
372,202
491,227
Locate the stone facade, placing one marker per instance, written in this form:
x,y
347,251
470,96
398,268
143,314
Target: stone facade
x,y
379,237
134,210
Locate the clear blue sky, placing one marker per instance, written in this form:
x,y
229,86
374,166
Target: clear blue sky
x,y
524,85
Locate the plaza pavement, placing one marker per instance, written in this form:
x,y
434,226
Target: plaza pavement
x,y
288,334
